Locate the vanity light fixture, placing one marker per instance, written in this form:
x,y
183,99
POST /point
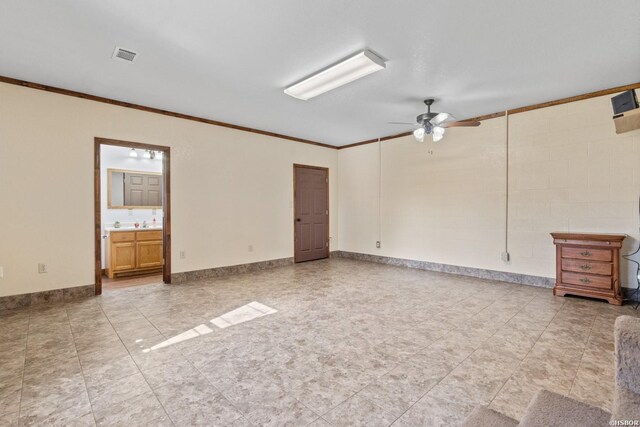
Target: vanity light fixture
x,y
352,68
133,153
147,154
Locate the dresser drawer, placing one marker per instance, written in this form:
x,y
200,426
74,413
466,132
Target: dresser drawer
x,y
587,253
603,268
149,235
588,280
122,236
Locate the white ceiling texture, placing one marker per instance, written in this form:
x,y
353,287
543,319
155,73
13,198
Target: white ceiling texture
x,y
229,60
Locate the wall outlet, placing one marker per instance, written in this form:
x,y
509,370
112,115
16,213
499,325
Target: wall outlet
x,y
1,272
183,254
506,257
378,244
42,268
250,248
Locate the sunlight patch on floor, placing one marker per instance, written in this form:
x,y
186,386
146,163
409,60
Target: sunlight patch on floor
x,y
247,312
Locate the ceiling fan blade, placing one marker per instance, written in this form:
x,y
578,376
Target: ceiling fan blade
x,y
460,124
400,123
441,117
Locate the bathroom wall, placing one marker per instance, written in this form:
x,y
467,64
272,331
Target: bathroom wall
x,y
112,157
568,171
230,189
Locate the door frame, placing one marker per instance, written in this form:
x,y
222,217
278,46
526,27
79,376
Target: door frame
x,y
97,207
327,239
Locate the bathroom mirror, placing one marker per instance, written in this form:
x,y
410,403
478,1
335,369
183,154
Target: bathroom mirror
x,y
127,189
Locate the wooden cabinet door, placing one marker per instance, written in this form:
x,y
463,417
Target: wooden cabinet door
x,y
123,256
149,254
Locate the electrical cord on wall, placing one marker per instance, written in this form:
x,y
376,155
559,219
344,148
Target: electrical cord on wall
x,y
628,257
506,204
379,192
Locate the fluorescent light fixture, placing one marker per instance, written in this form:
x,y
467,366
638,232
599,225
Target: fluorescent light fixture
x,y
352,68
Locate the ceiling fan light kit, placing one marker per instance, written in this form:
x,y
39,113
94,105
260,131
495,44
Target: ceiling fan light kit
x,y
353,68
434,124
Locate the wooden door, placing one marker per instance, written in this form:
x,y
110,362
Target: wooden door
x,y
142,189
149,254
124,256
311,213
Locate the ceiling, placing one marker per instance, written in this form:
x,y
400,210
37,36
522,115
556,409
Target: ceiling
x,y
230,60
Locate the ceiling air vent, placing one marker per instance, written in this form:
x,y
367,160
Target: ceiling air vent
x,y
124,54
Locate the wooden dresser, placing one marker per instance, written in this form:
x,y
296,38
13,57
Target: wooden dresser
x,y
588,265
133,252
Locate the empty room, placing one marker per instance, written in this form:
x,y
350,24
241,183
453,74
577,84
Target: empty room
x,y
326,214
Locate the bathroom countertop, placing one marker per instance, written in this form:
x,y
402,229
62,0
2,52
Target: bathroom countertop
x,y
130,228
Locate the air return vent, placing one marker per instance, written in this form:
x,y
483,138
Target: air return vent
x,y
124,54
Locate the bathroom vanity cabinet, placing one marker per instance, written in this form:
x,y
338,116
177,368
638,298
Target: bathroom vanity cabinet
x,y
133,251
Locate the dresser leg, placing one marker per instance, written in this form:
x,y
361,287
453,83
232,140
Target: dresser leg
x,y
614,301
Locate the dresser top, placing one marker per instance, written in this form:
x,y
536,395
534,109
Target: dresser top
x,y
589,236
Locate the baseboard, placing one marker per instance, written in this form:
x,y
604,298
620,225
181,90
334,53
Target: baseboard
x,y
480,273
46,297
208,273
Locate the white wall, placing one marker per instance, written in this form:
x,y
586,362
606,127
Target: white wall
x,y
229,189
569,171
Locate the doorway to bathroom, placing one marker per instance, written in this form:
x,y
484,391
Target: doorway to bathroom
x,y
132,211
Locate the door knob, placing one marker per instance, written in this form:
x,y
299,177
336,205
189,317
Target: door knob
x,y
297,219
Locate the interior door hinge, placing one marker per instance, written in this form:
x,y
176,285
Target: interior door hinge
x,y
327,244
326,212
326,180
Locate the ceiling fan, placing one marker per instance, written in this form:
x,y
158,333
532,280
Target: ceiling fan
x,y
434,124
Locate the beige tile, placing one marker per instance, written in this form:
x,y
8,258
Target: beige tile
x,y
141,410
359,342
359,411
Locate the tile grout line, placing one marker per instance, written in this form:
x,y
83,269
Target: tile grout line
x,y
194,367
24,366
529,351
136,363
84,381
462,361
443,310
583,352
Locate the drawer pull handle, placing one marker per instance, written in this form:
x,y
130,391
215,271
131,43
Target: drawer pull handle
x,y
585,253
585,280
585,267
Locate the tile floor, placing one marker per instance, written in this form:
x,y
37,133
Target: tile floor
x,y
328,343
126,282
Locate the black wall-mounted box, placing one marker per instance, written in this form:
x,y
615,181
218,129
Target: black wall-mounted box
x,y
624,102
